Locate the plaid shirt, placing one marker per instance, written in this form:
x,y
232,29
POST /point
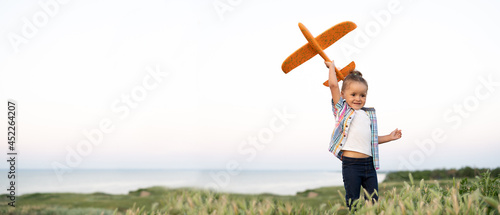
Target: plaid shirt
x,y
344,115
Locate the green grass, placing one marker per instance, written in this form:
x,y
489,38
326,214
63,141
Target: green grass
x,y
441,174
471,196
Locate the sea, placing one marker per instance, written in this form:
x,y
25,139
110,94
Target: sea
x,y
279,182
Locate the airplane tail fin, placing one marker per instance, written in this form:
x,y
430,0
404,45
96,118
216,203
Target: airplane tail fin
x,y
345,71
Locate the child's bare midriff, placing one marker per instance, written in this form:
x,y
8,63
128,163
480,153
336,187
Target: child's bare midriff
x,y
353,154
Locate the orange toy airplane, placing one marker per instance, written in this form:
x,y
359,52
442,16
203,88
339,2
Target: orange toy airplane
x,y
317,45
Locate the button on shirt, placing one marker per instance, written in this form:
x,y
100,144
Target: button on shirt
x,y
344,115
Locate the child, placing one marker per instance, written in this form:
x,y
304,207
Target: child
x,y
355,138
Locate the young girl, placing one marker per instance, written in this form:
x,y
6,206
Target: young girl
x,y
355,139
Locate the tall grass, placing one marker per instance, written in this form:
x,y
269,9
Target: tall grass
x,y
465,197
477,196
205,202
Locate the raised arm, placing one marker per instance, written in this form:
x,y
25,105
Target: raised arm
x,y
332,82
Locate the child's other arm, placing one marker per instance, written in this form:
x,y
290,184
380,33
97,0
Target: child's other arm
x,y
332,82
394,135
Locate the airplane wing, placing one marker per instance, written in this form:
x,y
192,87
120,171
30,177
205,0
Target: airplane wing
x,y
325,39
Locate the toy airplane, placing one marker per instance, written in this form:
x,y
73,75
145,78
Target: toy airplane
x,y
317,45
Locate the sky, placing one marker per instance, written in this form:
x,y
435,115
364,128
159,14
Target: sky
x,y
198,84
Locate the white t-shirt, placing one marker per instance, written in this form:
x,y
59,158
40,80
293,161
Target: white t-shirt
x,y
359,134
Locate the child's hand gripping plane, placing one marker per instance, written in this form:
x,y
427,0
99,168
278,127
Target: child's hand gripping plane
x,y
317,45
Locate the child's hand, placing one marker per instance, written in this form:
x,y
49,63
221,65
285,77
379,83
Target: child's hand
x,y
396,134
328,64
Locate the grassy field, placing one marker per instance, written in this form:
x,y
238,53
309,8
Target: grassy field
x,y
470,196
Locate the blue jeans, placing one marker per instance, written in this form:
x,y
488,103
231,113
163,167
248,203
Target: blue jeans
x,y
357,172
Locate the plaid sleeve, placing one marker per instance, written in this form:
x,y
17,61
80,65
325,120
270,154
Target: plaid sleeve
x,y
339,107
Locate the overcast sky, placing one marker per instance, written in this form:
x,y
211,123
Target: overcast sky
x,y
198,84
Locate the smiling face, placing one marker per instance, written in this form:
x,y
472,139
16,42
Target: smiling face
x,y
355,94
